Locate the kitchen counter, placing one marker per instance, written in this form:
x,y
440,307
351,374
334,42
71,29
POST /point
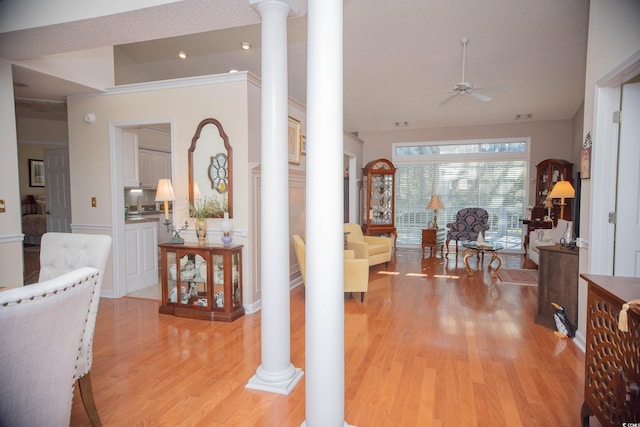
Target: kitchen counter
x,y
137,219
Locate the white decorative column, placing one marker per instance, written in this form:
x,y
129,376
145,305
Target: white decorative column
x,y
324,288
276,373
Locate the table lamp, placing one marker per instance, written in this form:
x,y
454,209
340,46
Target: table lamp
x,y
164,193
562,190
435,203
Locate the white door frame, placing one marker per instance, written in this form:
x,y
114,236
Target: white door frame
x,y
117,196
605,164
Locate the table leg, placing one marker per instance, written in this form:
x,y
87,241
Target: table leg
x,y
468,253
494,257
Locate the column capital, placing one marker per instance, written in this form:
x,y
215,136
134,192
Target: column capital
x,y
296,7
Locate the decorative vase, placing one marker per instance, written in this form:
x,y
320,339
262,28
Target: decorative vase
x,y
226,240
226,226
201,231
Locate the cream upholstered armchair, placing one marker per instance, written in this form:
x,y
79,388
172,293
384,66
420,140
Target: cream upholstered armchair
x,y
376,249
64,252
356,271
41,334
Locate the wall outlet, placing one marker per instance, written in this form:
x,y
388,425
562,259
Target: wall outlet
x,y
2,207
93,202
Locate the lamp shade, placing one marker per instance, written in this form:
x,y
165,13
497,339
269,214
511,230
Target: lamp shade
x,y
562,189
164,192
435,203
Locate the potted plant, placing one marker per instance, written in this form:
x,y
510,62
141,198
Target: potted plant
x,y
202,209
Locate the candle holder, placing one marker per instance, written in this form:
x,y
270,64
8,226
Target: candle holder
x,y
176,239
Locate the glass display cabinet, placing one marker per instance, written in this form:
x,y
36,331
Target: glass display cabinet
x,y
378,193
202,282
548,172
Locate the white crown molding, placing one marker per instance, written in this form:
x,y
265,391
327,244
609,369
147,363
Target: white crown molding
x,y
240,76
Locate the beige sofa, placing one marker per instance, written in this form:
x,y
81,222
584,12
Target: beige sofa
x,y
546,237
374,248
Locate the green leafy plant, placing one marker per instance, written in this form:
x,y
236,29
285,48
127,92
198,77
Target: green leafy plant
x,y
208,208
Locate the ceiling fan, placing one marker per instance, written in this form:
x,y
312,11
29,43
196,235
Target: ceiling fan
x,y
465,88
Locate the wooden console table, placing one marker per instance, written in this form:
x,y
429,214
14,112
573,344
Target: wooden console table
x,y
202,282
612,357
557,282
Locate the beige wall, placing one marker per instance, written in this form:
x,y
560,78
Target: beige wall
x,y
614,37
184,107
10,227
549,140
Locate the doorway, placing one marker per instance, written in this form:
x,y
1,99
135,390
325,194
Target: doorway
x,y
604,190
117,131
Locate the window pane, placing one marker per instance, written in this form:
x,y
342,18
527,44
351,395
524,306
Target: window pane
x,y
498,187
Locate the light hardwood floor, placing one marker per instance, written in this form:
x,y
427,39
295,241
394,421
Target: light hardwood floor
x,y
429,346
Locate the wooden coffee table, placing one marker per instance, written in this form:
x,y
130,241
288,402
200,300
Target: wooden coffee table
x,y
472,248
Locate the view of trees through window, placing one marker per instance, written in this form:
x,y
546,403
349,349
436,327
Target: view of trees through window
x,y
487,175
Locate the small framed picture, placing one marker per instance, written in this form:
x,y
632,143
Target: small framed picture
x,y
36,173
294,141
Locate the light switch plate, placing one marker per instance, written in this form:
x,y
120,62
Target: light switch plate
x,y
94,203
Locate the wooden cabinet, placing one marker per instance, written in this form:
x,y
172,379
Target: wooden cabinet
x,y
153,165
378,192
557,282
612,357
548,172
202,282
432,238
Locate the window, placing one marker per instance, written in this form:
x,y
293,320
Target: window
x,y
488,174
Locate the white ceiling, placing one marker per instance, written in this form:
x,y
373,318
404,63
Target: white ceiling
x,y
399,57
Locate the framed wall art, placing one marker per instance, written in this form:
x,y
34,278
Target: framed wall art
x,y
36,173
294,141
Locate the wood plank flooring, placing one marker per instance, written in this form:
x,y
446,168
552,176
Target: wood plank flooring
x,y
429,346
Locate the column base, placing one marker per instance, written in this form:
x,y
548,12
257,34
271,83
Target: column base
x,y
282,383
304,424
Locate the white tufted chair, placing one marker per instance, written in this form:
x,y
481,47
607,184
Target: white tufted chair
x,y
41,334
64,252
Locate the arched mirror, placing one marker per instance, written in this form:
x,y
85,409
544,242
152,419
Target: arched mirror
x,y
210,164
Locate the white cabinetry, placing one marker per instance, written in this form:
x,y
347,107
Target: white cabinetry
x,y
130,157
141,240
153,165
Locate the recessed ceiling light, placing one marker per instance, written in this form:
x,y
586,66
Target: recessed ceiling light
x,y
245,45
182,55
233,70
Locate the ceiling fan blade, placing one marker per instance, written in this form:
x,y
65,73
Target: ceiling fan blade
x,y
446,100
481,97
497,87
